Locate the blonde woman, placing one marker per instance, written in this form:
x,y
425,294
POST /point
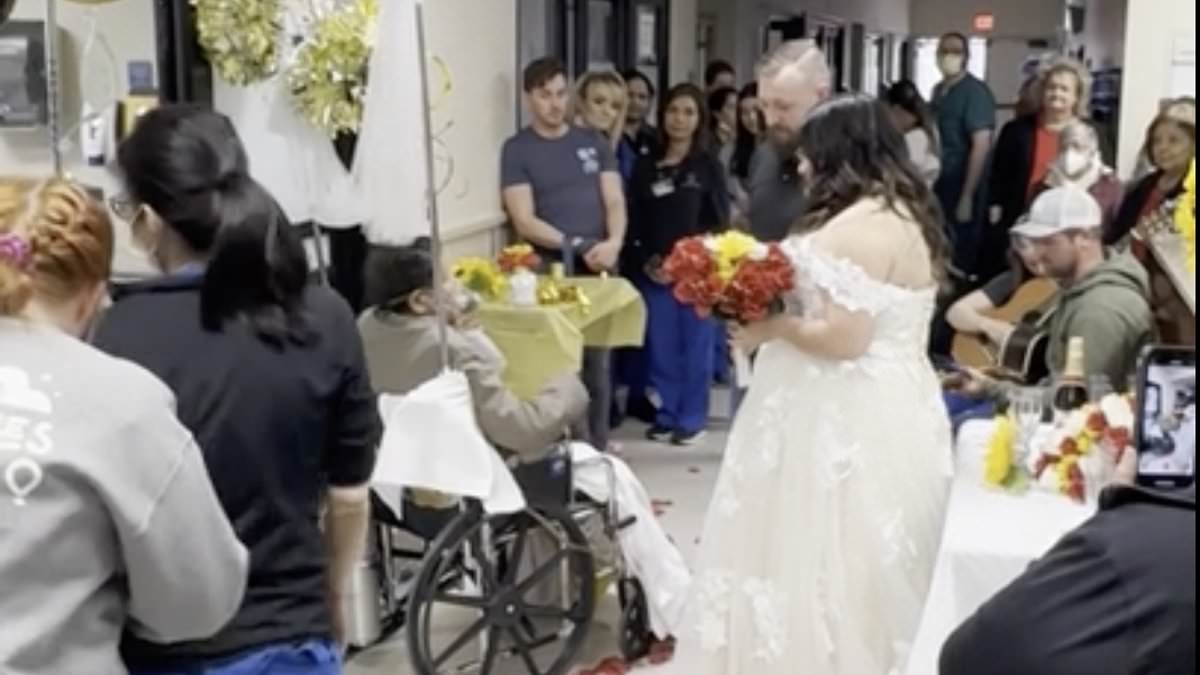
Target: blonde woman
x,y
1027,149
601,101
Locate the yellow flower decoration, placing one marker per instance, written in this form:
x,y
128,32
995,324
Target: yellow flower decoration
x,y
1185,217
729,249
481,276
240,37
329,77
997,463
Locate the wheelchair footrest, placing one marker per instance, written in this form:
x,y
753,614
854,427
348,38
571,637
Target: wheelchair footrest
x,y
626,524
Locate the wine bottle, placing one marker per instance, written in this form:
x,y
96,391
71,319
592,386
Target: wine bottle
x,y
1071,393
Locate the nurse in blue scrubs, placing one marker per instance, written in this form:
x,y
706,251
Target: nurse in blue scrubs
x,y
678,192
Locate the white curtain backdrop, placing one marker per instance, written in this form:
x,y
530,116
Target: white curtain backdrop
x,y
389,167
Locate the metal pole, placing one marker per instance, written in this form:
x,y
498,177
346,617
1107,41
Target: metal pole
x,y
53,105
439,271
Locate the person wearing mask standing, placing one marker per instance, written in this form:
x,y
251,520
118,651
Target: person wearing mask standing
x,y
108,518
562,189
1025,153
966,117
792,80
678,193
270,377
1080,164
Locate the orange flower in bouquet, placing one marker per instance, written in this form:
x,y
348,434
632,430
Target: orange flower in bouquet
x,y
731,276
518,257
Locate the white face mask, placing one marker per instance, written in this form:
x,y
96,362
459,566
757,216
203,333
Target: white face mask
x,y
1075,162
951,64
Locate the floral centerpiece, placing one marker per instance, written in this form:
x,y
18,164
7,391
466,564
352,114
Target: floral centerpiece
x,y
1185,217
1079,457
731,276
518,257
481,276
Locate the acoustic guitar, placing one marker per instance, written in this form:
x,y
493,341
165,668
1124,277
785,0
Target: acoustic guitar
x,y
1023,354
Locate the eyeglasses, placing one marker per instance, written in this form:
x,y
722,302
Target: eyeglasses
x,y
124,207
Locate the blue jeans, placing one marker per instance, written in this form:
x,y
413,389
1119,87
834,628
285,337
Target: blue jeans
x,y
316,657
679,349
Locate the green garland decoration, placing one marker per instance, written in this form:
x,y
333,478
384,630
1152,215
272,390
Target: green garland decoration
x,y
240,37
329,76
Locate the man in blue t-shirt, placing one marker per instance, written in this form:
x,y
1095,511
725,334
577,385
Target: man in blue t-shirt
x,y
562,189
966,116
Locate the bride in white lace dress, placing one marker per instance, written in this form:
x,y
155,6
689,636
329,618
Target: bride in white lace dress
x,y
820,542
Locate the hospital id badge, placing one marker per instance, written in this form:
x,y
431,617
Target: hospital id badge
x,y
663,188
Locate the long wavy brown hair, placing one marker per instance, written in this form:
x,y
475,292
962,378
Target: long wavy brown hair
x,y
857,153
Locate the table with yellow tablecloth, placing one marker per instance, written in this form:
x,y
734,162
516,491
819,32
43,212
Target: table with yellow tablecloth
x,y
543,342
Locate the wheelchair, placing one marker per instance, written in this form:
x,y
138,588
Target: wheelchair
x,y
517,587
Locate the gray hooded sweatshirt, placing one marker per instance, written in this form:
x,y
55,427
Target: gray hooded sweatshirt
x,y
107,515
1110,309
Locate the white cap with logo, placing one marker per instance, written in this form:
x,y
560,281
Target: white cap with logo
x,y
1063,209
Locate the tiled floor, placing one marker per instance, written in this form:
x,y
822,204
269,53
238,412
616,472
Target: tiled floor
x,y
682,477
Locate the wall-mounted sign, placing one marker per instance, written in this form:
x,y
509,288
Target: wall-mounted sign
x,y
984,22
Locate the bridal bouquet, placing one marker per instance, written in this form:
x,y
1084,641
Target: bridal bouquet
x,y
731,276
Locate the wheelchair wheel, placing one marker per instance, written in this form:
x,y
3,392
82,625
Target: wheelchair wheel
x,y
636,637
498,611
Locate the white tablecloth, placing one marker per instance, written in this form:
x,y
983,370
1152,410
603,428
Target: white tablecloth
x,y
989,540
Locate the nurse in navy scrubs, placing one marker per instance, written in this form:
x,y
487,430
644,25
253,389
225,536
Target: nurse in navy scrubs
x,y
677,192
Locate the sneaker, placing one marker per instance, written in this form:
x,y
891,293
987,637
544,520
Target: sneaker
x,y
687,439
659,434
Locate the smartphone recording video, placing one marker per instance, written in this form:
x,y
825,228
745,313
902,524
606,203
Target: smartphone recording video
x,y
1167,419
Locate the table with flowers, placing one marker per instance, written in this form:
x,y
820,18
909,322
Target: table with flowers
x,y
995,530
542,324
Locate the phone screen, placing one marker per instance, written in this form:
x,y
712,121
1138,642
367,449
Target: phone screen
x,y
1167,421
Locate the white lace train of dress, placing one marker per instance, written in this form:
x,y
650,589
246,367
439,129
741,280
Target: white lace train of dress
x,y
820,542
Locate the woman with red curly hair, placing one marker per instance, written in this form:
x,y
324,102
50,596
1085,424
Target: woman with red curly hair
x,y
108,519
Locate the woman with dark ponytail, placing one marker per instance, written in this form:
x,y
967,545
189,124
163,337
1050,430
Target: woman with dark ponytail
x,y
270,377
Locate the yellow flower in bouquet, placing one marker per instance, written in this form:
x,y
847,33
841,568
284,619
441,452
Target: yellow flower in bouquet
x,y
730,248
997,463
481,276
1185,217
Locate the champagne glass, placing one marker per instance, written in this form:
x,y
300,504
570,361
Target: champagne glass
x,y
1029,409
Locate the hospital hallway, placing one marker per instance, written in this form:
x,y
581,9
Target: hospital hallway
x,y
680,480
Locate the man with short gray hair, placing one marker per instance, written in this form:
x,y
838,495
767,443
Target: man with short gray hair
x,y
792,80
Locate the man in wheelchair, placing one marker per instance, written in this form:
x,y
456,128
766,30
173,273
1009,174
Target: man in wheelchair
x,y
403,349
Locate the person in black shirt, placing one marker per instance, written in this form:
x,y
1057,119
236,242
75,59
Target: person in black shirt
x,y
678,193
269,375
1116,596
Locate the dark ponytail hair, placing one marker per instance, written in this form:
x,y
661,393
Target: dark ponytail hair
x,y
394,273
187,164
905,96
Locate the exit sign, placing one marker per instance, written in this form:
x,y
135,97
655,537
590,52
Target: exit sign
x,y
984,22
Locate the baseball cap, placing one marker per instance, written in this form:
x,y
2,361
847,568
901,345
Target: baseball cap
x,y
1060,210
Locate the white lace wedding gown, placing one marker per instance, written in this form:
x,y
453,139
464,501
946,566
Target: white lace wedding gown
x,y
820,542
